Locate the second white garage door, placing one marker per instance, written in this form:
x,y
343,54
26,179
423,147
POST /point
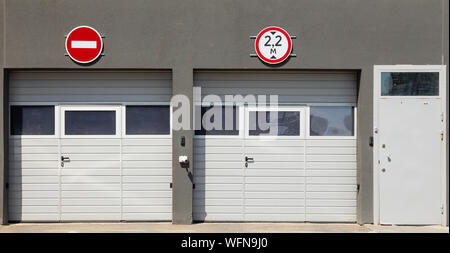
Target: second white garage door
x,y
306,171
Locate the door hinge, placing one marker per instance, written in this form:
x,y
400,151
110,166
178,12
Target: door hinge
x,y
170,185
357,187
442,117
442,135
442,210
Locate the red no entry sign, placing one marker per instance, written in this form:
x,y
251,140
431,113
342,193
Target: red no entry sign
x,y
84,44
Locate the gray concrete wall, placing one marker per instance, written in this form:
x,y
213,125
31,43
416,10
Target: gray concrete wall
x,y
184,35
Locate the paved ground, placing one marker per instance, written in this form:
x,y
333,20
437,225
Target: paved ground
x,y
165,227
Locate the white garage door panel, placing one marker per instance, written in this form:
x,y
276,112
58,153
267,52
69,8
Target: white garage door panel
x,y
90,216
145,187
271,156
33,177
291,179
163,171
331,195
339,157
331,202
91,209
106,178
275,172
90,194
273,180
297,187
91,172
147,194
218,194
87,165
294,202
93,179
146,164
273,195
146,201
90,166
146,179
91,202
157,149
90,187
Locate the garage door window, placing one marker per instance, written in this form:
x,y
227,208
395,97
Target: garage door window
x,y
148,120
288,123
331,121
32,120
227,125
90,123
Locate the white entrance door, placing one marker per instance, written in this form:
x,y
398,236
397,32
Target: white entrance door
x,y
90,162
410,146
274,164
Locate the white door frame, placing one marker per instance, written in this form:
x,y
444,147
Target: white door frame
x,y
377,94
91,107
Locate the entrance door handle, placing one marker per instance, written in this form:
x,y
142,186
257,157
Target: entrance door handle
x,y
249,159
65,159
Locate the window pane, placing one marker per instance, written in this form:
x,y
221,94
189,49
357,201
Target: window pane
x,y
90,122
288,123
331,121
148,119
409,84
32,120
229,124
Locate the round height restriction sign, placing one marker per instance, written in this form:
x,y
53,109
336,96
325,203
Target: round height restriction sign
x,y
273,45
84,44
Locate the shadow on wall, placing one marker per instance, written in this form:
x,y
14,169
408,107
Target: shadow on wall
x,y
199,199
15,189
33,180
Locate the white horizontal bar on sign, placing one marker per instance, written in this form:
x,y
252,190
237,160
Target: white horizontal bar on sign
x,y
84,44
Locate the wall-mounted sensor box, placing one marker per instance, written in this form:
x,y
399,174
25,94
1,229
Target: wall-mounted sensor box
x,y
182,159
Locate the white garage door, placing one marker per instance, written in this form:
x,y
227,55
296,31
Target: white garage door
x,y
305,171
86,146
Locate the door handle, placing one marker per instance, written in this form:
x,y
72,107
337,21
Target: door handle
x,y
65,159
249,159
